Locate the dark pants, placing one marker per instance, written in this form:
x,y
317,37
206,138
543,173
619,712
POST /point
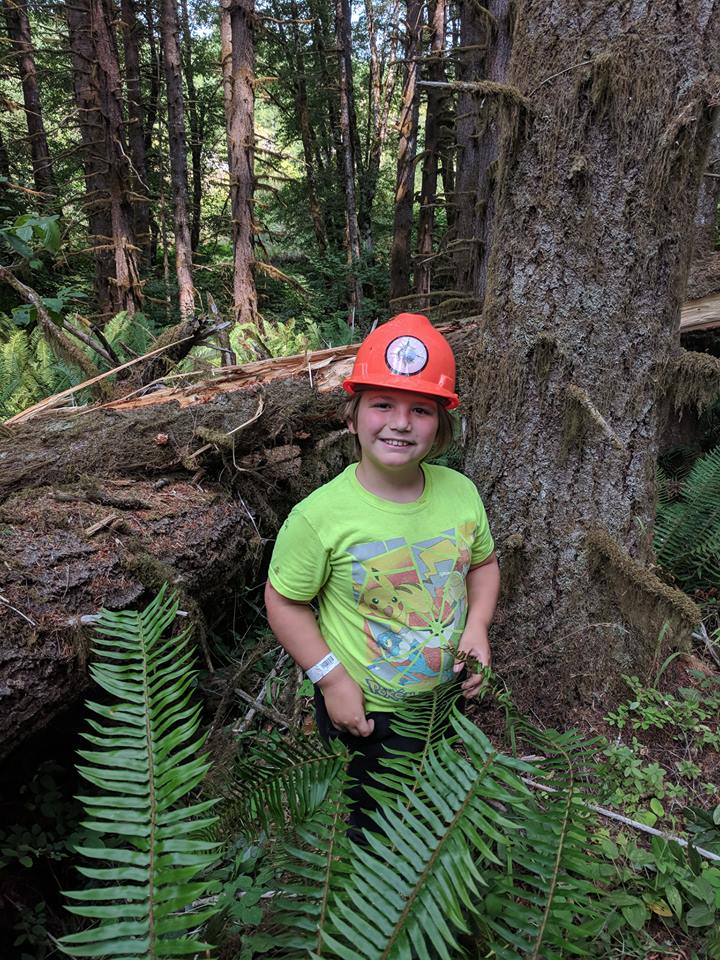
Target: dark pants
x,y
368,752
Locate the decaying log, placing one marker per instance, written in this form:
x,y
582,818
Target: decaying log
x,y
100,505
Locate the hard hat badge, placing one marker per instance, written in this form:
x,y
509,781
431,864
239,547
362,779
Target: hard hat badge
x,y
406,356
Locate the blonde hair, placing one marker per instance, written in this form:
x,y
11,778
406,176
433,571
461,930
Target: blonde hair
x,y
443,437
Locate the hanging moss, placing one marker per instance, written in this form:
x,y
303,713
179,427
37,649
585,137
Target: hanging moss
x,y
582,416
695,380
645,601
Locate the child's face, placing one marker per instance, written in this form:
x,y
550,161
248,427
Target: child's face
x,y
396,429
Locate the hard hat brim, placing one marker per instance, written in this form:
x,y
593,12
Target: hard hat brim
x,y
449,400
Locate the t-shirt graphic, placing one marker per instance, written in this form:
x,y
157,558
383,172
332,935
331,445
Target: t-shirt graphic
x,y
412,598
389,578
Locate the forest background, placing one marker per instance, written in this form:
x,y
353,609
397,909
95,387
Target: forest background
x,y
234,184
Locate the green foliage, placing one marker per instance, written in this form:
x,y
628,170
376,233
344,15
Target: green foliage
x,y
664,882
687,529
144,761
130,335
690,712
29,370
54,831
30,235
463,847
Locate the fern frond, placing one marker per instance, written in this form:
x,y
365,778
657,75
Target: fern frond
x,y
145,761
469,840
280,780
687,532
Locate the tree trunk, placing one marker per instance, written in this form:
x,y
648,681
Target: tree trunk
x,y
496,66
381,81
436,108
195,132
18,27
311,154
348,130
597,188
322,35
107,175
407,145
4,162
704,276
474,37
238,53
155,71
132,35
178,157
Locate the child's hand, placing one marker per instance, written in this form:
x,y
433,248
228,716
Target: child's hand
x,y
475,650
345,703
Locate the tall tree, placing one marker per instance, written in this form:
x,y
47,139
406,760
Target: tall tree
x,y
178,156
311,153
407,146
497,60
18,27
597,186
195,131
437,98
348,128
475,38
237,24
382,78
132,35
105,158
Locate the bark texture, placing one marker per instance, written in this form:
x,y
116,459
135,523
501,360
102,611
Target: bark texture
x,y
132,37
238,53
704,276
597,189
348,128
437,100
18,27
107,174
407,147
178,157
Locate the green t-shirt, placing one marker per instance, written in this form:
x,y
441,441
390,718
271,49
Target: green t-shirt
x,y
389,577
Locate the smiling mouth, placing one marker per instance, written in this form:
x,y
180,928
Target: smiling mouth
x,y
397,443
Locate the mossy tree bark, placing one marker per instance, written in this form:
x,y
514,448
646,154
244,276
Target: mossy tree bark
x,y
597,187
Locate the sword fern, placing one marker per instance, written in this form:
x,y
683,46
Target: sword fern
x,y
145,760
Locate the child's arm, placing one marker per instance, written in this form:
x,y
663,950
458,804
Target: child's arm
x,y
294,624
483,586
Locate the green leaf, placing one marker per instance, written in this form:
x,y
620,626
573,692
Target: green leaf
x,y
153,852
700,916
636,916
656,807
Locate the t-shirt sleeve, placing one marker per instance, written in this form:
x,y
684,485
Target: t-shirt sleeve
x,y
300,564
483,544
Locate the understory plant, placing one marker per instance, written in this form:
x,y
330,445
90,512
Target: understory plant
x,y
475,853
147,862
687,527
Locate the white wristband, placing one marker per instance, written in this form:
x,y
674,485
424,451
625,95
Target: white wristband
x,y
322,667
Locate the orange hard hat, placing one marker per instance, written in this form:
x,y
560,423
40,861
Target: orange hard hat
x,y
406,353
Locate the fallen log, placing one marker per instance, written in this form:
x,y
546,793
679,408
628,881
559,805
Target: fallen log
x,y
188,484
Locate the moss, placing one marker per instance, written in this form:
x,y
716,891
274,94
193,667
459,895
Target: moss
x,y
582,415
695,380
645,601
545,350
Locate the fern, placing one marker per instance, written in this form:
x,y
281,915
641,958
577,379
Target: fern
x,y
687,530
463,845
145,760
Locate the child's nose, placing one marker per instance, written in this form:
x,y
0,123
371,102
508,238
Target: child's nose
x,y
401,420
